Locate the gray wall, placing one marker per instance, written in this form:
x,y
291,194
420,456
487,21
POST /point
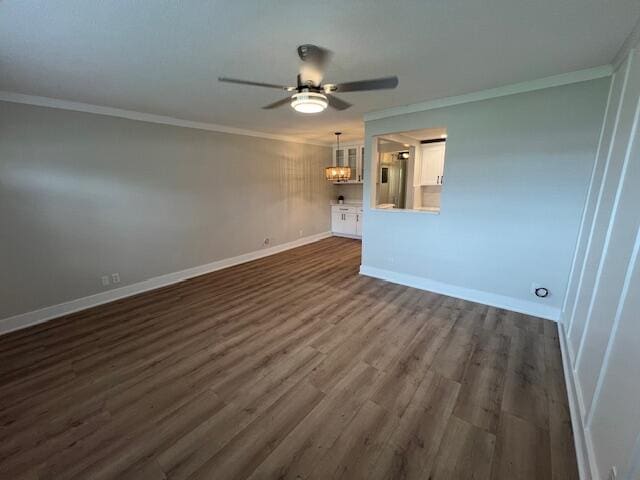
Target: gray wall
x,y
84,195
601,314
517,170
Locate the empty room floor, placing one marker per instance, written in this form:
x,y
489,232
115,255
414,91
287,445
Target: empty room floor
x,y
292,366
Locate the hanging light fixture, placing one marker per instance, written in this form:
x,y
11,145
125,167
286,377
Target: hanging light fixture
x,y
309,102
337,173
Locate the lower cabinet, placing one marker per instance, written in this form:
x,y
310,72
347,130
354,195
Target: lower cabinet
x,y
346,220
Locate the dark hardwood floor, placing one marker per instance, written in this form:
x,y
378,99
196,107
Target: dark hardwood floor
x,y
288,367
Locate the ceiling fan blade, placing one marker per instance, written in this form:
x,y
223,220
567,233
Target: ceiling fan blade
x,y
254,84
277,104
336,103
362,85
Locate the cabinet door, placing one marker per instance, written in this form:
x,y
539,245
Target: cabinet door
x,y
338,157
361,160
351,223
359,224
432,163
441,162
352,161
338,222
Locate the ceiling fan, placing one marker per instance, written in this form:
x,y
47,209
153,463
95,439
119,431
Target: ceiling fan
x,y
313,96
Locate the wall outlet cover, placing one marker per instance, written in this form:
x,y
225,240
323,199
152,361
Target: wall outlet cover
x,y
115,277
536,286
105,280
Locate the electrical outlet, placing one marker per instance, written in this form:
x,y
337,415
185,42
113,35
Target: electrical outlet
x,y
540,291
266,241
115,277
105,280
613,473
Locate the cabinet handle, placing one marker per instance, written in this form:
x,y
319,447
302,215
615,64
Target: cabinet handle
x,y
438,180
441,179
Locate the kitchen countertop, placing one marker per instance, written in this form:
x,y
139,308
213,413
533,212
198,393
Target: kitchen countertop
x,y
388,207
419,210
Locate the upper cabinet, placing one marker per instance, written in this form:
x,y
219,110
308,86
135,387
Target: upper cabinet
x,y
350,155
430,168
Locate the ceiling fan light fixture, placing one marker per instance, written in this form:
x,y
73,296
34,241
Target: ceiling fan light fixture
x,y
309,102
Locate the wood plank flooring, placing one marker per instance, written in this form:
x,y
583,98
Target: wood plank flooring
x,y
288,367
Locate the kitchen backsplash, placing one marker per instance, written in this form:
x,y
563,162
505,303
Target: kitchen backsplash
x,y
352,192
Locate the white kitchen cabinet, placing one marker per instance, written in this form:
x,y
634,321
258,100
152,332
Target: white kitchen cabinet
x,y
350,155
346,220
431,164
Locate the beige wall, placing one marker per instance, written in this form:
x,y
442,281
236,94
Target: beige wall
x,y
83,195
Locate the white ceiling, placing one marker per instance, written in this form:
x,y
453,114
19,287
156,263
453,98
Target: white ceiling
x,y
163,57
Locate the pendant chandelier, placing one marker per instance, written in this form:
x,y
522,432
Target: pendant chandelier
x,y
337,173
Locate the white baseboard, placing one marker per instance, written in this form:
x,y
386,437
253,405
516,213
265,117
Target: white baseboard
x,y
28,319
585,456
478,296
346,235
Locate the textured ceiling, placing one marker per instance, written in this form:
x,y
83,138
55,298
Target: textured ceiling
x,y
163,57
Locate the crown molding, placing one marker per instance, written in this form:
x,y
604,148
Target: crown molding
x,y
13,97
522,87
631,42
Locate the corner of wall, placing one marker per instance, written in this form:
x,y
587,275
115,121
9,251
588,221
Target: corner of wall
x,y
28,319
477,296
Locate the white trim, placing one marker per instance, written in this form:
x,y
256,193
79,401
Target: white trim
x,y
28,319
585,456
630,43
143,117
604,368
596,210
346,235
594,224
478,296
590,192
522,87
604,256
634,470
